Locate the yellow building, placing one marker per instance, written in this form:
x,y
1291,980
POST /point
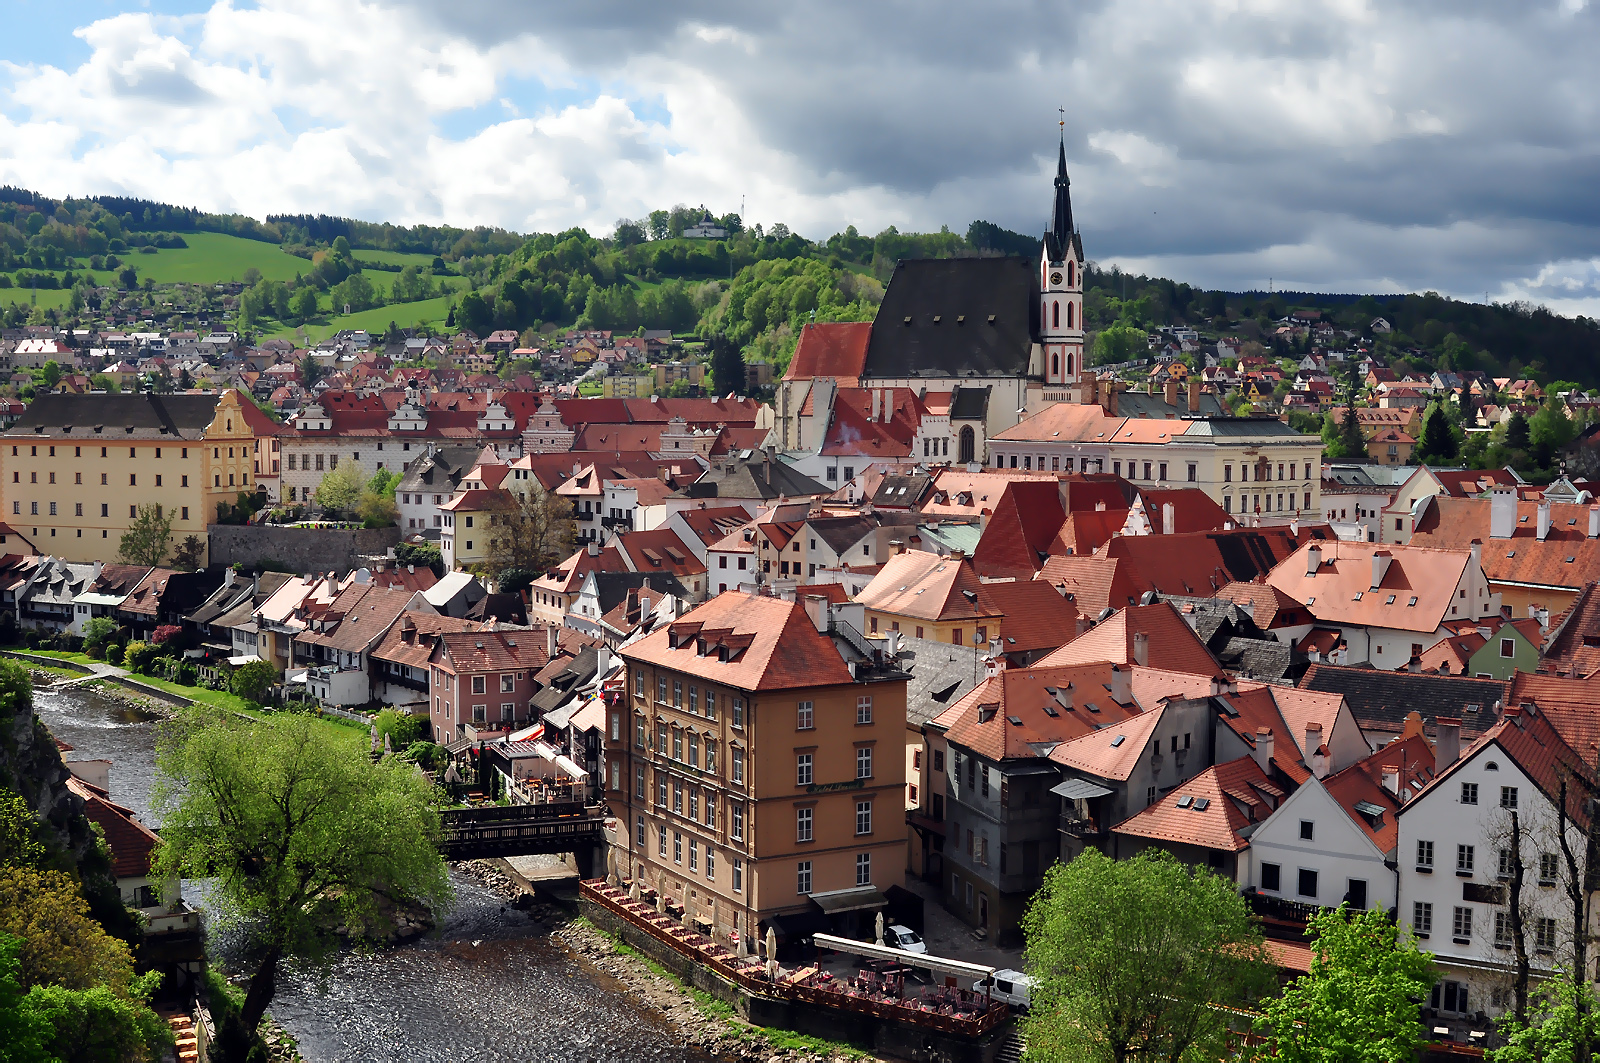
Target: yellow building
x,y
464,540
76,468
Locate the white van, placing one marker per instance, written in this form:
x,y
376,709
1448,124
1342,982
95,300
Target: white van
x,y
1013,987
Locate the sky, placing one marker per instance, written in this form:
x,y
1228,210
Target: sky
x,y
1322,145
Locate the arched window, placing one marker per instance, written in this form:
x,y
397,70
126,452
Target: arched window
x,y
1055,314
1055,365
1069,365
1069,315
968,445
1070,267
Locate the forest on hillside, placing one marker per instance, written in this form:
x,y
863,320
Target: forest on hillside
x,y
758,285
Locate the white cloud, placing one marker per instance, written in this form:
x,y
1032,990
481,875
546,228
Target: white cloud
x,y
1335,144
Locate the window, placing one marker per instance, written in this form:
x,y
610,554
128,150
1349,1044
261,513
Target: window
x,y
1424,855
677,848
1308,882
802,879
638,683
508,682
677,744
1306,829
661,842
1461,924
1422,917
802,824
1194,472
661,737
661,790
863,817
694,750
1503,864
694,700
864,709
1271,877
804,717
677,693
1508,797
1465,855
738,712
1508,648
479,684
1163,471
1502,928
938,760
638,781
802,769
736,874
661,689
1469,793
639,835
1544,933
736,822
711,756
864,763
863,869
736,773
1547,869
711,863
677,797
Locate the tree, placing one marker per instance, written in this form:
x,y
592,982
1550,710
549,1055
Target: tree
x,y
1438,440
1563,1024
340,489
727,366
23,1032
420,554
99,631
189,554
145,543
51,373
62,944
529,531
1128,958
1517,431
252,680
1119,343
1360,999
304,304
311,371
97,1025
21,833
377,510
299,832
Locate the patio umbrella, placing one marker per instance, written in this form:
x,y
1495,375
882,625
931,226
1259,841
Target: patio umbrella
x,y
633,889
611,867
772,946
688,921
880,928
743,951
661,902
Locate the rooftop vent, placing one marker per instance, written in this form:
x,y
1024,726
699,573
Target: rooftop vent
x,y
1117,741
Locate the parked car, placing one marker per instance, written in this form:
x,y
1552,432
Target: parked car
x,y
1013,987
903,937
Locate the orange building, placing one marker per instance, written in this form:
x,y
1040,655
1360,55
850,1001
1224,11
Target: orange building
x,y
763,768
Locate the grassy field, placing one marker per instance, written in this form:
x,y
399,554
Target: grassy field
x,y
426,312
394,258
48,297
211,258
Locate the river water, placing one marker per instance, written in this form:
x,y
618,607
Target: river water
x,y
491,984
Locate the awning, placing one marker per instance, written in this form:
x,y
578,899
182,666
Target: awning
x,y
460,745
928,961
243,659
99,599
856,899
1079,788
800,925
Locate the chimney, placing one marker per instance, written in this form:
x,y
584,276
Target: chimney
x,y
552,641
1313,739
1446,742
1319,764
1141,648
1262,754
1313,559
877,400
993,666
1594,522
1194,394
1381,560
1502,512
1089,395
1110,402
1121,685
1391,778
1169,391
1169,519
594,548
1544,518
1476,549
817,610
1082,625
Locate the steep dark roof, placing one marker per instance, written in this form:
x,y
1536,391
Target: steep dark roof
x,y
1143,404
964,294
754,477
150,416
902,490
1059,237
1381,700
969,403
613,587
941,675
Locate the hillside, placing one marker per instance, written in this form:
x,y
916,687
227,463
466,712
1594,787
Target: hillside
x,y
757,286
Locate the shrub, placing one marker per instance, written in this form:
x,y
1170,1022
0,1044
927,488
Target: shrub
x,y
165,634
140,656
252,681
187,674
30,639
427,755
402,728
114,654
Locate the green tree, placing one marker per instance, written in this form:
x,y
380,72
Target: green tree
x,y
727,366
146,542
252,680
97,1025
23,1032
1119,343
1548,431
340,489
304,304
21,833
189,553
62,943
377,509
1358,1003
1129,957
1438,439
1563,1025
1517,431
299,833
51,373
96,633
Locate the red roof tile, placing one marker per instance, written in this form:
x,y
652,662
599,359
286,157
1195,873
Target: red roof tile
x,y
830,349
1208,817
1171,644
782,649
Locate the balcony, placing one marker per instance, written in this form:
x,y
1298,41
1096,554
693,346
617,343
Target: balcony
x,y
1084,828
175,918
1280,909
617,523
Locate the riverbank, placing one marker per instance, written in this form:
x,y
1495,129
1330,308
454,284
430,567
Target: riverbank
x,y
702,1021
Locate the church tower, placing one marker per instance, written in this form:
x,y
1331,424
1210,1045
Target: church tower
x,y
1061,287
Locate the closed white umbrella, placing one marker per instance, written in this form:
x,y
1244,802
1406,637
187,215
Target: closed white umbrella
x,y
661,902
743,951
772,945
611,867
633,889
688,921
880,928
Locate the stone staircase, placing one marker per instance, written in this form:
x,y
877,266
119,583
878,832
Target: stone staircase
x,y
1012,1048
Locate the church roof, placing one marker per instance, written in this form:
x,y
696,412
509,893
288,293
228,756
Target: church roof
x,y
1060,236
956,317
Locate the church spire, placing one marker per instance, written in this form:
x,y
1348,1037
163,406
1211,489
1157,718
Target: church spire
x,y
1061,215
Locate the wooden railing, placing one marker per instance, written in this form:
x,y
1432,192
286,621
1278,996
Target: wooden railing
x,y
750,975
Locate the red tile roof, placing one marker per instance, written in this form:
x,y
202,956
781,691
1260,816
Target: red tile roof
x,y
773,645
1035,615
1574,647
926,586
463,652
830,349
1523,558
1017,538
1113,751
411,638
131,842
982,720
1172,645
1219,823
1363,782
1417,591
1531,739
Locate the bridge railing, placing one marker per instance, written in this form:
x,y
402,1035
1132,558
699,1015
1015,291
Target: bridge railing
x,y
454,818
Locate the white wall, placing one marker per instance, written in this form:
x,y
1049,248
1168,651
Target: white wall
x,y
1338,851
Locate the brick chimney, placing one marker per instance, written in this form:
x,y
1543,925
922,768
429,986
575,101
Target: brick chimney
x,y
1194,394
1169,391
1141,648
1262,754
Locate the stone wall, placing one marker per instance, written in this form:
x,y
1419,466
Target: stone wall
x,y
302,550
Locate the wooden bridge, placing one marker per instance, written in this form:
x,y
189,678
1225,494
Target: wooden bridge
x,y
522,830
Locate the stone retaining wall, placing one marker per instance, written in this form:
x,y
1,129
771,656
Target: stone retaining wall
x,y
303,550
48,662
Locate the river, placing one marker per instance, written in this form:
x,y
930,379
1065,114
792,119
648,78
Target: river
x,y
490,985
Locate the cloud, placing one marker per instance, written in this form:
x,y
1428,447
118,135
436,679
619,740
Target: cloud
x,y
1337,145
